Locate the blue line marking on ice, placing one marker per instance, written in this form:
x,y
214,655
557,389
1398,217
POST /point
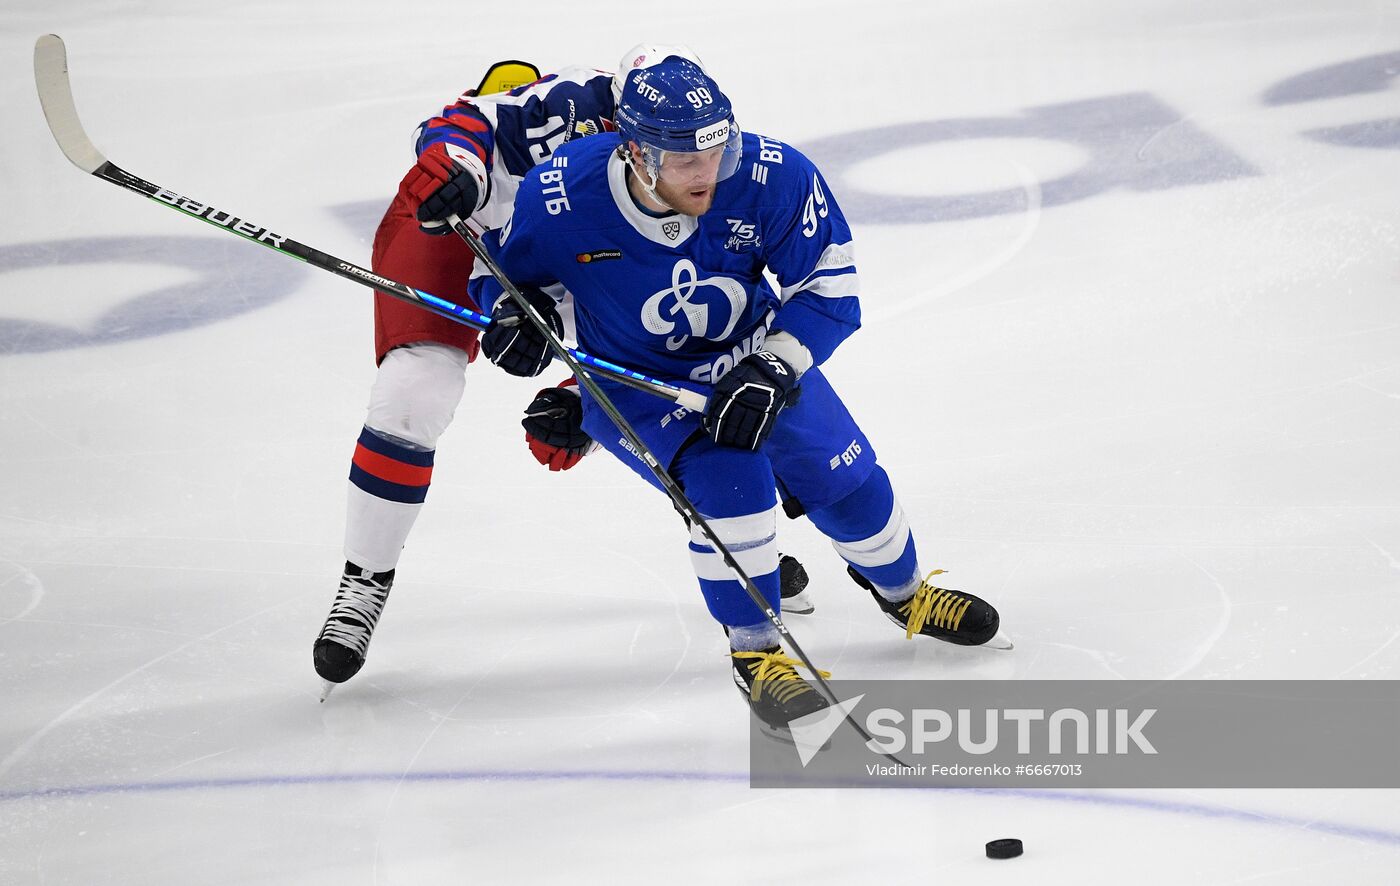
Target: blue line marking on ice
x,y
1194,810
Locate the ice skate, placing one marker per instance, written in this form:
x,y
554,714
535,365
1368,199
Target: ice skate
x,y
793,578
341,647
776,694
948,615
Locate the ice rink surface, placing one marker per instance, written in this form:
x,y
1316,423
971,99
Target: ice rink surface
x,y
1131,355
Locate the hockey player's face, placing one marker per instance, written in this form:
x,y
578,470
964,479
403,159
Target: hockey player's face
x,y
686,182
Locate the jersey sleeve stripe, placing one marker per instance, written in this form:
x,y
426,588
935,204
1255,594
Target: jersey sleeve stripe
x,y
826,286
460,125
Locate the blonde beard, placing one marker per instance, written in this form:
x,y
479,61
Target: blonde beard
x,y
680,200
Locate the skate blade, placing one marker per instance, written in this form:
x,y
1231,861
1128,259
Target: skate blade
x,y
799,604
783,735
1000,641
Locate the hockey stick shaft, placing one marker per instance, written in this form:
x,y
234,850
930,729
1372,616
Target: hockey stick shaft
x,y
678,497
663,477
56,96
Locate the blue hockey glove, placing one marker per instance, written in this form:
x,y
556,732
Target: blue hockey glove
x,y
513,343
747,400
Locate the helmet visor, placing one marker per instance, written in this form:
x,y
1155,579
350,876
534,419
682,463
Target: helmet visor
x,y
718,150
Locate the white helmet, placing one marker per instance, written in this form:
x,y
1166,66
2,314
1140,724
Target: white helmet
x,y
644,55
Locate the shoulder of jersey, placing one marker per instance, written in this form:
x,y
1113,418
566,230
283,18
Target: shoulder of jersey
x,y
770,172
577,169
577,75
773,165
586,147
583,74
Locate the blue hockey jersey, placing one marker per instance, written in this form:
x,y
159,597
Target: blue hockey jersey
x,y
678,297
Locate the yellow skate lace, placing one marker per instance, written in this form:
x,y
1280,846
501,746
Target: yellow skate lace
x,y
778,669
941,607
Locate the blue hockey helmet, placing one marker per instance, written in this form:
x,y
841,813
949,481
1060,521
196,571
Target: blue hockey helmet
x,y
674,108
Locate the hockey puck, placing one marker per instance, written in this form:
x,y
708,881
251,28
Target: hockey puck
x,y
1008,848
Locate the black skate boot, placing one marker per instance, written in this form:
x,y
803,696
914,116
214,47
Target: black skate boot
x,y
951,616
341,647
793,578
776,694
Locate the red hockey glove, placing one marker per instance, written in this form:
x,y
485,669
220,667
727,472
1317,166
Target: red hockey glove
x,y
554,427
447,179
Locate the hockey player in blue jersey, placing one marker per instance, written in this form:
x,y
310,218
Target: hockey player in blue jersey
x,y
660,235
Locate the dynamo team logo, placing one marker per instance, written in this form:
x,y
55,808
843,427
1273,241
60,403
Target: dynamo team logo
x,y
692,299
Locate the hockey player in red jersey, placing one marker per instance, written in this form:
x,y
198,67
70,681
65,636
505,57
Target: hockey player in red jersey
x,y
470,159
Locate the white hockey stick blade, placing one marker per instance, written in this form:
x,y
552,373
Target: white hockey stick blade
x,y
56,95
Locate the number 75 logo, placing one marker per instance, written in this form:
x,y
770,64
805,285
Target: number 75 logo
x,y
814,209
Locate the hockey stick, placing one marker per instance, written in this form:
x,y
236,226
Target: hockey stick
x,y
56,96
668,484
